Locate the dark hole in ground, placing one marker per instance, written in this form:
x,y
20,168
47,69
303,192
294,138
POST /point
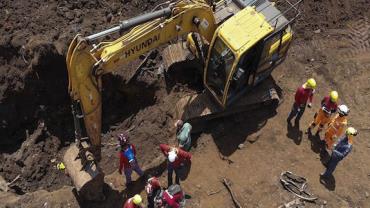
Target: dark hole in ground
x,y
43,97
122,100
187,73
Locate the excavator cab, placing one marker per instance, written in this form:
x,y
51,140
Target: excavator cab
x,y
244,51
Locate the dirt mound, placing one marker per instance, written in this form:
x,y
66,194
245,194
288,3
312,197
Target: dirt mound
x,y
35,163
322,15
33,78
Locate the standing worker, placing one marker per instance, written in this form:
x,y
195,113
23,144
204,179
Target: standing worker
x,y
341,150
303,94
176,158
128,159
183,134
328,108
134,202
337,126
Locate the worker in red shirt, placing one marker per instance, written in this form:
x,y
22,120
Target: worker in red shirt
x,y
176,159
134,202
303,94
128,159
324,115
152,188
173,197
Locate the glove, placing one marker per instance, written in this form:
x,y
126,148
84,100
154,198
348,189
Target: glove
x,y
309,105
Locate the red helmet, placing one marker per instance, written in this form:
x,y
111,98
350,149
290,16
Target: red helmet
x,y
122,138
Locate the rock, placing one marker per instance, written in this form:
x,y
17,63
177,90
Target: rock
x,y
109,17
254,137
69,15
53,160
317,31
3,185
366,194
198,186
241,146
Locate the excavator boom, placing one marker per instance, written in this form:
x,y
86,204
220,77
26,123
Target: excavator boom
x,y
86,63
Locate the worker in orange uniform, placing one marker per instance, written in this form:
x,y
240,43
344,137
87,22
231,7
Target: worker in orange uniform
x,y
337,126
134,202
328,108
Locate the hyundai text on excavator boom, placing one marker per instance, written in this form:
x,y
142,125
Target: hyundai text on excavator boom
x,y
237,42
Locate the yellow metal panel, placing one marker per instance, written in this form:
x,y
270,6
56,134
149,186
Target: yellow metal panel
x,y
245,29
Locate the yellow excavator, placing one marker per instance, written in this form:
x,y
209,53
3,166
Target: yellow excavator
x,y
237,42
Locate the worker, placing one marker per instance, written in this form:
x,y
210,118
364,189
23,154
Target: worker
x,y
183,134
303,94
128,159
337,126
134,202
173,197
328,108
341,150
176,159
152,188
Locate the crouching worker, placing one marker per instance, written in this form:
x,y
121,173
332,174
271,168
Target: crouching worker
x,y
153,189
173,197
134,202
128,159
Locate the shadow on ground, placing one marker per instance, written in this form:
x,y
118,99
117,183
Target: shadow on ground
x,y
115,198
294,133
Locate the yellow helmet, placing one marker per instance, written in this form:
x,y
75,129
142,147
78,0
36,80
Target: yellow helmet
x,y
137,199
334,96
311,83
351,131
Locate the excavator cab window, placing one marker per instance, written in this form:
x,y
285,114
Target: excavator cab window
x,y
220,64
245,69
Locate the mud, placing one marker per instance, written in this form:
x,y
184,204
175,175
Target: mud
x,y
33,79
332,44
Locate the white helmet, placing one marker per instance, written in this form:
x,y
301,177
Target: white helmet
x,y
172,156
343,110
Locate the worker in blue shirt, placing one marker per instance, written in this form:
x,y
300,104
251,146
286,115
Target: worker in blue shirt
x,y
341,150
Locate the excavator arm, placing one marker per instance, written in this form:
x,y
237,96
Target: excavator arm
x,y
87,62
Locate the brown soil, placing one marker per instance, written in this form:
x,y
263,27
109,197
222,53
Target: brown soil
x,y
332,44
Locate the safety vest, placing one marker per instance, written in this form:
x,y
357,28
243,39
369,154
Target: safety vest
x,y
338,124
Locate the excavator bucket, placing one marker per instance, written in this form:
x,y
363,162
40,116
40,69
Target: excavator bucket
x,y
86,176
